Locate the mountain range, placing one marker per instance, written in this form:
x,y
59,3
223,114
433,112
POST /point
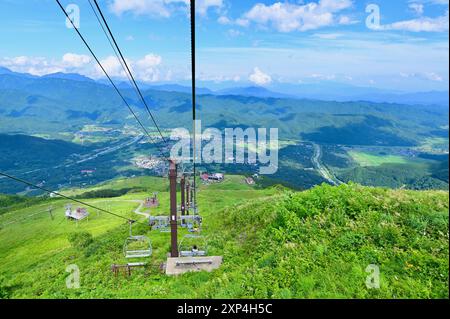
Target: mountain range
x,y
325,91
66,106
66,102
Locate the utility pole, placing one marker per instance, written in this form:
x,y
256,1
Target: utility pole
x,y
173,208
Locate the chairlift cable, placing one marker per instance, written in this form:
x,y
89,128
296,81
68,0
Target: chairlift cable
x,y
107,75
128,71
66,197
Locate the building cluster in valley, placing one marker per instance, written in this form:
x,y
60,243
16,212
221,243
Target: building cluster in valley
x,y
212,177
147,162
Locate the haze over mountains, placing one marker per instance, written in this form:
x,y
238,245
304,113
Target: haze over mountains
x,y
325,90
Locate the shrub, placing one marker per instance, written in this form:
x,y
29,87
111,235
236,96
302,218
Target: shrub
x,y
80,239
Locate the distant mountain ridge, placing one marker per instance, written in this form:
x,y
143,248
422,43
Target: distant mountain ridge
x,y
68,76
256,91
66,102
321,91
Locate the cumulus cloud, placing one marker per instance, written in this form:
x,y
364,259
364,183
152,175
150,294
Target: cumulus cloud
x,y
146,69
288,17
112,65
418,8
242,22
76,60
204,5
41,66
259,77
346,20
224,20
422,24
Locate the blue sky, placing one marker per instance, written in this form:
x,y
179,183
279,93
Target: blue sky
x,y
240,42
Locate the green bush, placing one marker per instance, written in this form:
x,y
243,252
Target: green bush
x,y
4,290
110,193
80,240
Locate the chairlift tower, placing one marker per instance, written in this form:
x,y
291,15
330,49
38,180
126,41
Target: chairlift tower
x,y
173,208
183,197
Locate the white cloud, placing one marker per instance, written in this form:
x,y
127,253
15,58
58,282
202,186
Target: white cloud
x,y
234,33
432,2
346,20
224,20
434,77
112,66
422,24
32,65
318,76
141,7
378,56
76,60
204,5
147,68
328,36
431,76
335,5
288,17
259,77
418,8
242,22
160,8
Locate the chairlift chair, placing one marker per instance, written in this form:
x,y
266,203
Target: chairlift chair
x,y
193,246
137,246
192,222
160,223
193,209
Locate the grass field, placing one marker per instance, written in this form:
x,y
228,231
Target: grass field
x,y
435,145
366,159
275,244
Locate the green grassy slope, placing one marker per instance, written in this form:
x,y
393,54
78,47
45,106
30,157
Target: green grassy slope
x,y
275,244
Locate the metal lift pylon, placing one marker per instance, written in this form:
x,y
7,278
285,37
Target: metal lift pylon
x,y
173,209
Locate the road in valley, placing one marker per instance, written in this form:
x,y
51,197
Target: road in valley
x,y
90,156
323,171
